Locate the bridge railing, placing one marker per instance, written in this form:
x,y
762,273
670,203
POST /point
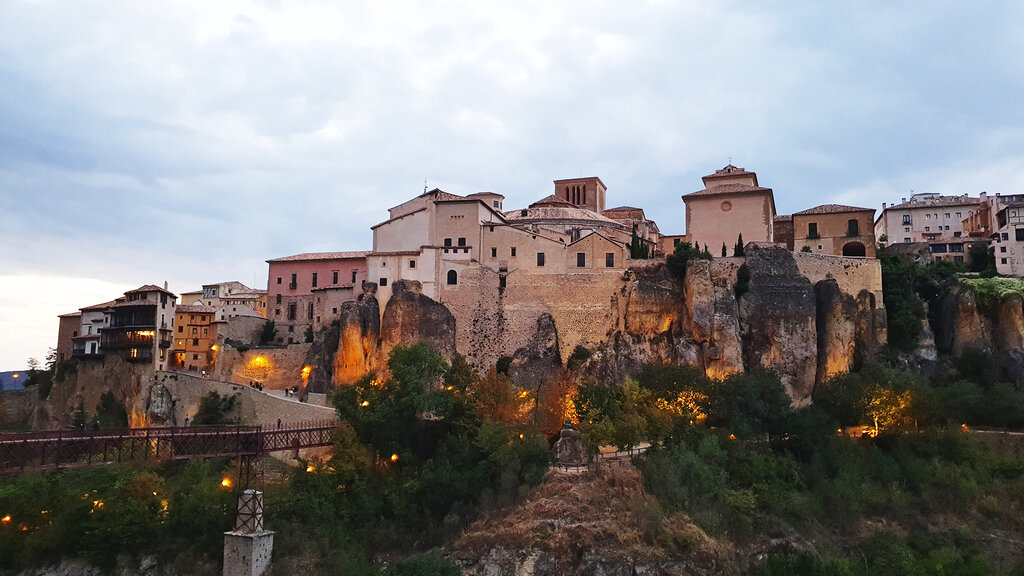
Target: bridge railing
x,y
78,448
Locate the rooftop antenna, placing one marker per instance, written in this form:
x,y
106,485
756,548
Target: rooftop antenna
x,y
424,184
730,159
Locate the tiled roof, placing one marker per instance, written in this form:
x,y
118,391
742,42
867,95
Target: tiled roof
x,y
102,306
728,171
937,202
783,218
150,288
553,211
625,212
832,209
552,200
70,314
196,308
308,256
735,188
441,195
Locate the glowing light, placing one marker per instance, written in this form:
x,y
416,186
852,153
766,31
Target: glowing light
x,y
394,457
16,376
522,436
305,370
524,393
6,519
964,427
214,347
97,504
365,403
732,436
226,482
310,469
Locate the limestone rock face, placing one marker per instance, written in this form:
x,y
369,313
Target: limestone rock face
x,y
410,316
714,316
540,360
871,328
160,411
959,324
358,344
835,313
1009,330
777,320
652,303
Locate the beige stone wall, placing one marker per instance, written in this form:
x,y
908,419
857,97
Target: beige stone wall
x,y
68,328
274,368
327,304
406,233
252,407
707,222
852,274
832,232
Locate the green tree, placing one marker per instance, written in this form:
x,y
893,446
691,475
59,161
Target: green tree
x,y
213,409
110,412
269,332
679,260
309,334
738,249
725,251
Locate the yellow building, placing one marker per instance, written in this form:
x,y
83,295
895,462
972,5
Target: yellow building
x,y
195,338
731,203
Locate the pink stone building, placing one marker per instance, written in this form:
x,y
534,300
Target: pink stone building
x,y
295,282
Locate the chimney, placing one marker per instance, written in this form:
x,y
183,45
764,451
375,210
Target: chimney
x,y
903,200
165,284
883,205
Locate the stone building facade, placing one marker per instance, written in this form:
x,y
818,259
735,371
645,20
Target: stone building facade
x,y
291,283
195,337
835,229
924,218
731,203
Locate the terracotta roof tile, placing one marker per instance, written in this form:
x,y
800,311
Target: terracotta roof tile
x,y
832,209
937,202
196,309
735,188
308,256
102,306
728,171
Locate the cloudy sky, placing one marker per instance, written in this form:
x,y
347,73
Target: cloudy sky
x,y
191,141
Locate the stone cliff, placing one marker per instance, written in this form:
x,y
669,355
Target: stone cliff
x,y
805,316
991,321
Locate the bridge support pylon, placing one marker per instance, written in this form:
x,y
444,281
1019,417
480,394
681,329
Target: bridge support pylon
x,y
248,548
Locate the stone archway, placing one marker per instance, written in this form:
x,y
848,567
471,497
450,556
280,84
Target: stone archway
x,y
854,249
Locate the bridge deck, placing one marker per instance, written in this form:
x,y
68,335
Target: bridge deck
x,y
54,450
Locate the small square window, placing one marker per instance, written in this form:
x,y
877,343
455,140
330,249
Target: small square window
x,y
494,252
581,259
447,241
513,251
540,258
462,241
383,281
609,259
412,263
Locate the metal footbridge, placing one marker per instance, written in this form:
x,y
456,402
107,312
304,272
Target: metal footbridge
x,y
61,449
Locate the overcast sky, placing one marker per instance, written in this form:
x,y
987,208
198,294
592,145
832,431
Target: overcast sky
x,y
191,141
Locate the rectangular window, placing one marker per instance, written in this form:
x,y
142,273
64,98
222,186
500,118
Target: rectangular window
x,y
447,241
906,218
1019,234
906,240
278,279
354,276
581,259
412,263
383,281
278,298
314,279
291,329
906,229
609,259
852,228
195,330
291,311
1006,235
277,311
513,251
195,341
334,277
958,259
1002,249
946,215
1002,260
540,258
180,330
462,241
958,215
927,228
812,230
494,252
310,315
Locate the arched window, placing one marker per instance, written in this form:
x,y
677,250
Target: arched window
x,y
854,249
584,194
566,193
453,277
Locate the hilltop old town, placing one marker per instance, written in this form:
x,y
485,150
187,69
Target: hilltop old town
x,y
499,270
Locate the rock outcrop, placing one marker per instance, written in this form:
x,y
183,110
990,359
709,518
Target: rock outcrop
x,y
358,348
777,320
538,362
410,316
836,333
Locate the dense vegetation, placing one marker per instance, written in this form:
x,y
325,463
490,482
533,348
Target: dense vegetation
x,y
879,475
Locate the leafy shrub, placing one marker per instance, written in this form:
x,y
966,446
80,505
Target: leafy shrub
x,y
578,357
679,260
213,409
